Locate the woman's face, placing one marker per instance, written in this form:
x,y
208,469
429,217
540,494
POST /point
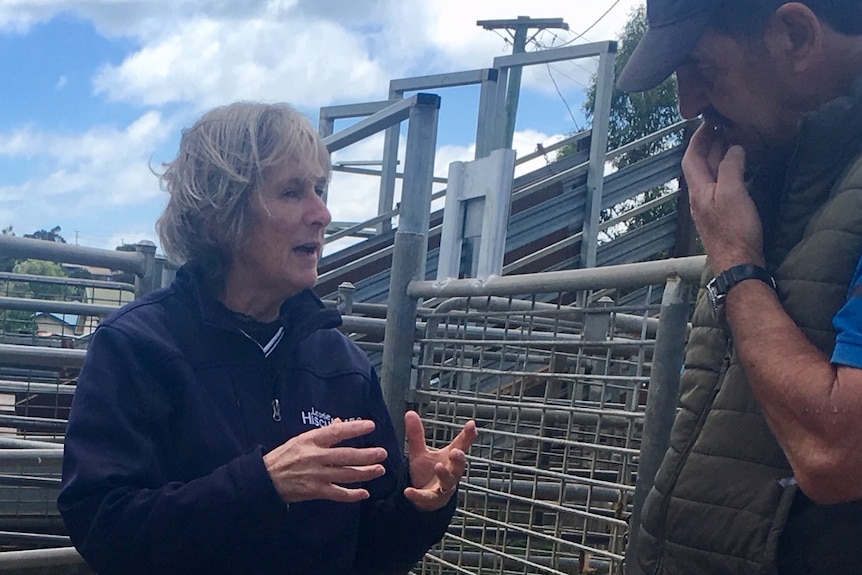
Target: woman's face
x,y
280,253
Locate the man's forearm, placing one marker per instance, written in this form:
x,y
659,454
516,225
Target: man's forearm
x,y
813,410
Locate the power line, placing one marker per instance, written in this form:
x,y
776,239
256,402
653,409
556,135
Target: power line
x,y
591,26
518,28
560,94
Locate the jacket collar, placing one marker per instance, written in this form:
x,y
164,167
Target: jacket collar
x,y
830,137
303,312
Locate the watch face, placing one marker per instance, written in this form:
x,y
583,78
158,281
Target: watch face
x,y
716,299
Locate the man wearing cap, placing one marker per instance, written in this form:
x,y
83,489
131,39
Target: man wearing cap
x,y
764,470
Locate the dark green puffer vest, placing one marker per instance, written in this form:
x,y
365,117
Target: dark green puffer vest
x,y
724,500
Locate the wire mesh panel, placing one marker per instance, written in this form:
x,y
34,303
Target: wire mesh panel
x,y
558,392
45,325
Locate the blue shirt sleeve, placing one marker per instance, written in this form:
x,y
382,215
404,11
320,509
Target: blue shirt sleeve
x,y
848,325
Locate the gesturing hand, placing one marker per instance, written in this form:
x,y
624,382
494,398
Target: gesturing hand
x,y
435,473
723,212
310,466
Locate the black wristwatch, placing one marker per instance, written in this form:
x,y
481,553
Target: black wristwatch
x,y
719,286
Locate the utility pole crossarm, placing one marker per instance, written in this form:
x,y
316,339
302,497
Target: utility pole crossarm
x,y
556,23
518,28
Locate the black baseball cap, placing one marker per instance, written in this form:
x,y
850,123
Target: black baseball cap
x,y
674,27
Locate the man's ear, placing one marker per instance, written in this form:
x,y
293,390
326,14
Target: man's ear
x,y
796,33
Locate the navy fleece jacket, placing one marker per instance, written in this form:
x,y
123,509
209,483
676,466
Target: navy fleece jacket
x,y
163,469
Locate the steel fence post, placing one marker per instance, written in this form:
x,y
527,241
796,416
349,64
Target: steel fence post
x,y
146,280
409,255
662,400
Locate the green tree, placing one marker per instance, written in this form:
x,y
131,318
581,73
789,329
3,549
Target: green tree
x,y
634,116
52,235
6,262
40,290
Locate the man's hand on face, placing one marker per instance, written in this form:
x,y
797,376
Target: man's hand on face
x,y
435,473
723,212
312,466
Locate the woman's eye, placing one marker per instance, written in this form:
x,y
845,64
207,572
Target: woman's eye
x,y
289,193
319,191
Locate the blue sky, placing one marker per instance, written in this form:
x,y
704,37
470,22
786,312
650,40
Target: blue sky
x,y
95,92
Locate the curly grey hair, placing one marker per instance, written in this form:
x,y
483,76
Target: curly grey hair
x,y
216,175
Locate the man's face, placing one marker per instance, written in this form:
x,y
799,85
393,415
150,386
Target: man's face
x,y
738,88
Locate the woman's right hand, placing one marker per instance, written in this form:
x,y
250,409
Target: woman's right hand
x,y
312,466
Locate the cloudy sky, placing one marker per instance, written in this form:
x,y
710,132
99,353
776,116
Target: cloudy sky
x,y
94,93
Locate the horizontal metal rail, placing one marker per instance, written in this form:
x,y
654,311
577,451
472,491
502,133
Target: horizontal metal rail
x,y
32,387
368,172
35,538
58,307
78,282
16,247
649,139
15,443
389,116
30,455
32,558
619,276
543,150
41,356
575,238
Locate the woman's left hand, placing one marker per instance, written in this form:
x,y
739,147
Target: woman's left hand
x,y
435,472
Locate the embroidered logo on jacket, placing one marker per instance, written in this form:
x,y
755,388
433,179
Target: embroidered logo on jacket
x,y
320,418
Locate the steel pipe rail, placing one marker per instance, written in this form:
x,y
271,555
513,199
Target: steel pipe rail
x,y
35,538
15,443
54,306
33,387
14,246
393,114
488,409
30,455
41,356
119,286
545,490
31,558
620,276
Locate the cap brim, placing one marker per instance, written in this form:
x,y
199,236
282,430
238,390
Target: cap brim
x,y
661,50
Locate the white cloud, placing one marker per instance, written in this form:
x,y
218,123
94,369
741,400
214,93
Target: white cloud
x,y
105,166
210,62
194,54
310,52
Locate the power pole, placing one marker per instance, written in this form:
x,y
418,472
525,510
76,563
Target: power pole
x,y
518,29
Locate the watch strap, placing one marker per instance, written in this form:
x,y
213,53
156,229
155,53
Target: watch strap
x,y
732,276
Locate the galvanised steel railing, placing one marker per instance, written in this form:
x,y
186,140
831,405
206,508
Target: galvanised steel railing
x,y
573,403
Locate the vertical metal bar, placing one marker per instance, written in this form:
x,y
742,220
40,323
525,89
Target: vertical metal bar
x,y
145,281
487,115
498,133
346,291
408,259
386,199
449,258
662,400
598,149
495,222
326,127
513,90
159,265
